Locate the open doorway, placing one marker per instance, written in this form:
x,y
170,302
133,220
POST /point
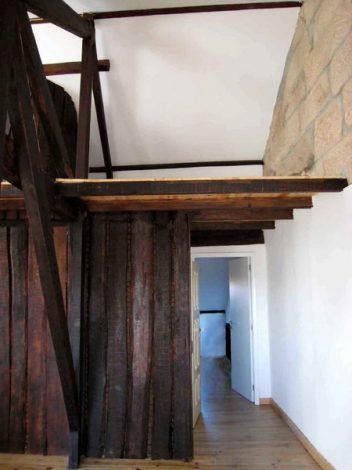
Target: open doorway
x,y
222,326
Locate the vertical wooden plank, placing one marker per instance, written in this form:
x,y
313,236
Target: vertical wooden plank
x,y
162,340
57,425
36,412
5,313
97,379
140,334
116,311
182,438
18,253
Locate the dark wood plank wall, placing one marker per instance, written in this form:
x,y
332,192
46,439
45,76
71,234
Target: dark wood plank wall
x,y
134,367
138,376
32,413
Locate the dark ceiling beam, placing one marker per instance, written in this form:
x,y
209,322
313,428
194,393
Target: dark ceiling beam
x,y
230,226
60,14
242,214
227,237
68,68
182,10
258,185
172,166
194,9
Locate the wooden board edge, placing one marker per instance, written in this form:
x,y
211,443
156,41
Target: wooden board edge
x,y
310,448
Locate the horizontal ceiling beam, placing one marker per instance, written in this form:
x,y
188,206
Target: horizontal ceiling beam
x,y
220,215
62,15
172,166
191,202
194,9
230,226
68,68
227,237
259,185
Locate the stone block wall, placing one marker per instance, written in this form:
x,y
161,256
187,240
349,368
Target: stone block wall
x,y
311,131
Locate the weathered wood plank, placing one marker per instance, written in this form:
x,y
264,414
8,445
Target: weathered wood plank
x,y
140,334
19,256
97,378
182,435
116,311
162,340
59,13
5,315
227,237
57,425
68,68
36,401
260,185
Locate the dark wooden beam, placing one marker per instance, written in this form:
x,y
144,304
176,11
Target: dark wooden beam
x,y
85,105
259,185
231,226
218,215
194,9
99,106
227,237
43,99
7,28
68,68
59,13
36,194
168,166
191,202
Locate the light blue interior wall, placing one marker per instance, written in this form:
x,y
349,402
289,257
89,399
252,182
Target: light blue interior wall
x,y
212,336
213,295
213,283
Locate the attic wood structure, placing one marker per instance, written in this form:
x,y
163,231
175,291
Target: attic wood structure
x,y
94,294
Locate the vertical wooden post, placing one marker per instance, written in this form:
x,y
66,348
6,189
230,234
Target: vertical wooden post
x,y
99,106
85,105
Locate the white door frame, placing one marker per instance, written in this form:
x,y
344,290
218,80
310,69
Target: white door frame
x,y
245,251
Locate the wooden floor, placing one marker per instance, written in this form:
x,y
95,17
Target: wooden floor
x,y
230,434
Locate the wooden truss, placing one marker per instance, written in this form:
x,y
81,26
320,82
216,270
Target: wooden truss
x,y
24,92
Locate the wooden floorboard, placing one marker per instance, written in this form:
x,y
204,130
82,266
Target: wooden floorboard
x,y
230,434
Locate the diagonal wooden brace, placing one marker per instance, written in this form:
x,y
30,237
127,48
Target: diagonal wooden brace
x,y
36,193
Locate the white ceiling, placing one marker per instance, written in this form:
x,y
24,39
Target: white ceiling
x,y
181,87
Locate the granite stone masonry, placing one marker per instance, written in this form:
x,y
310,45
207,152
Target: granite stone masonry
x,y
311,130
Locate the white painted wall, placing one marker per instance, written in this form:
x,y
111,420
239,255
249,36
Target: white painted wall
x,y
310,311
257,253
182,87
